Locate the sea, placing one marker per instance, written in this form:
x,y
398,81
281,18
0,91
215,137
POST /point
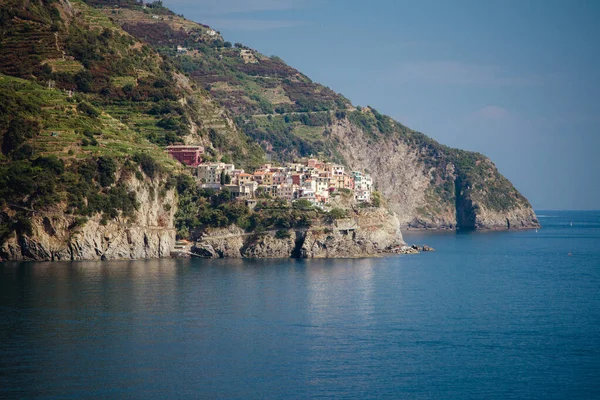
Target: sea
x,y
488,315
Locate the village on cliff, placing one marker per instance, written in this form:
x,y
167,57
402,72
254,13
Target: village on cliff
x,y
310,179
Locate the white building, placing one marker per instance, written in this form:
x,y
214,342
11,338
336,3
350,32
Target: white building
x,y
211,172
362,195
363,186
245,191
323,182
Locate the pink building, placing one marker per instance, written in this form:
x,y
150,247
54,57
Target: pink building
x,y
188,155
279,178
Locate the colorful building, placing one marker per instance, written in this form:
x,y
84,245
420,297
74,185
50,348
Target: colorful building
x,y
188,155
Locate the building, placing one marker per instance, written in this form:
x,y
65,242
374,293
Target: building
x,y
235,174
248,56
297,179
362,180
210,173
245,191
268,179
348,182
362,195
280,178
322,184
363,186
308,194
243,178
259,176
287,191
188,155
312,179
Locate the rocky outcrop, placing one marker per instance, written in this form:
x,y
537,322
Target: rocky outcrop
x,y
221,243
516,218
271,246
368,232
56,236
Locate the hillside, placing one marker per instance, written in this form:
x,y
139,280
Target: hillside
x,y
428,184
92,91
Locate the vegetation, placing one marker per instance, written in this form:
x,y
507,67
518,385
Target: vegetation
x,y
90,95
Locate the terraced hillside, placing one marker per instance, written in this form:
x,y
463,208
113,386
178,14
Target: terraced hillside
x,y
428,184
120,80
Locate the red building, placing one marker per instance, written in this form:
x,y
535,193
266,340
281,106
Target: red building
x,y
188,155
297,179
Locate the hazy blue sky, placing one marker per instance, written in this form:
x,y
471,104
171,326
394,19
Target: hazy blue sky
x,y
516,80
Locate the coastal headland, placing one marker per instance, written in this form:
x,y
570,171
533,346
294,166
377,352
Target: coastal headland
x,y
126,127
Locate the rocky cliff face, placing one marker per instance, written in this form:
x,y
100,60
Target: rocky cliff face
x,y
368,232
434,187
56,236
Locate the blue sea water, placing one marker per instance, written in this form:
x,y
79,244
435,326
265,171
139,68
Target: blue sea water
x,y
495,315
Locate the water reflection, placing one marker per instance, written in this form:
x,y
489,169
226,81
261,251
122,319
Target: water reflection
x,y
457,318
339,287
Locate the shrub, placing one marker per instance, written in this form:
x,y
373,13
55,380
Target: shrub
x,y
336,213
106,171
18,131
148,164
51,163
283,234
302,204
88,109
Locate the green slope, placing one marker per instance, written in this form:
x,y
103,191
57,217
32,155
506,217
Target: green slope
x,y
156,78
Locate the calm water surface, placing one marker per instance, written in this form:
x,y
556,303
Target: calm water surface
x,y
488,316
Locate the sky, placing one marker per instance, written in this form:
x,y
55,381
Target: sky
x,y
517,80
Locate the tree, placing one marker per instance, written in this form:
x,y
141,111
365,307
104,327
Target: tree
x,y
376,199
84,81
337,213
106,171
227,45
225,179
302,204
18,130
282,234
262,193
148,164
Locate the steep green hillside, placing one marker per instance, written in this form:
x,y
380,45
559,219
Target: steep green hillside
x,y
289,116
144,77
79,48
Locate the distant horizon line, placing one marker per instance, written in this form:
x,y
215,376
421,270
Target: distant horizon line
x,y
573,209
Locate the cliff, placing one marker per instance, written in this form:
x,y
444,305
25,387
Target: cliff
x,y
55,236
430,186
367,232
